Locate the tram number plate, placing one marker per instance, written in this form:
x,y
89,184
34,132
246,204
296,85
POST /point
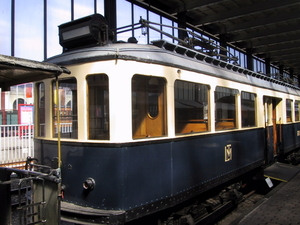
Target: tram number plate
x,y
228,153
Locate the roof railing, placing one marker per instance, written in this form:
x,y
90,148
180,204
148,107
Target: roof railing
x,y
208,54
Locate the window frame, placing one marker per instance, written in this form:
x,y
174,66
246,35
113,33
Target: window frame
x,y
297,110
143,124
73,129
189,94
289,110
41,113
243,93
102,110
224,123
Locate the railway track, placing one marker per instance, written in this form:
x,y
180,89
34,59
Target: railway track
x,y
221,208
225,207
248,204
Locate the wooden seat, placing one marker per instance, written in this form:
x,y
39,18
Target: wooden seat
x,y
191,126
225,124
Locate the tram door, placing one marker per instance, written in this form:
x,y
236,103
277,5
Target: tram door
x,y
271,117
148,107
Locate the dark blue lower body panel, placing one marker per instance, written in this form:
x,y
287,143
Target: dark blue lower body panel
x,y
199,161
290,137
150,174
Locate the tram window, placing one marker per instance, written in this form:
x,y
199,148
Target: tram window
x,y
98,107
148,107
248,109
297,114
40,109
225,112
67,97
191,107
289,110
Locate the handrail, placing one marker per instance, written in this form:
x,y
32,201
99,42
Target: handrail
x,y
191,41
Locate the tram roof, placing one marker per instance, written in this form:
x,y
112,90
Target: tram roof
x,y
168,54
15,71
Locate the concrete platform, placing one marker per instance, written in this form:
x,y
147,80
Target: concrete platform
x,y
282,207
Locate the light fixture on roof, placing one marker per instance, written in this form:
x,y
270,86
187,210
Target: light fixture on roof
x,y
83,32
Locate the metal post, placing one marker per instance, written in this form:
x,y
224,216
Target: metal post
x,y
58,123
249,52
182,34
223,43
268,66
110,12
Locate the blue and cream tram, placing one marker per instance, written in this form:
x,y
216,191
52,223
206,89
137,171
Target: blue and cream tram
x,y
143,128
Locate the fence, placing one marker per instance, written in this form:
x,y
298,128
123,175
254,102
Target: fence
x,y
16,143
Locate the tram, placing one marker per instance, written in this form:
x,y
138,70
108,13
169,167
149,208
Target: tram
x,y
144,128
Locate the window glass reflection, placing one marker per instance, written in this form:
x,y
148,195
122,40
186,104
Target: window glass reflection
x,y
225,111
248,109
152,33
29,33
148,107
67,108
58,12
123,18
191,107
5,24
83,8
98,107
168,30
139,12
40,109
100,7
289,110
297,114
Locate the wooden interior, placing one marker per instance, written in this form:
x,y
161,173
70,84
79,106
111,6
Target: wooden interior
x,y
225,124
191,126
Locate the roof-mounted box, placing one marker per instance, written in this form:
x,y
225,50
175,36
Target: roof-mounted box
x,y
83,32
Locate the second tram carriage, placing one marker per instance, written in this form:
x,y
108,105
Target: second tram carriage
x,y
147,127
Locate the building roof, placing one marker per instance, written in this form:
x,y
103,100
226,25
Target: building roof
x,y
270,28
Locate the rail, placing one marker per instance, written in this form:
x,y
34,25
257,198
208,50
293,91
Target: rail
x,y
64,128
16,143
